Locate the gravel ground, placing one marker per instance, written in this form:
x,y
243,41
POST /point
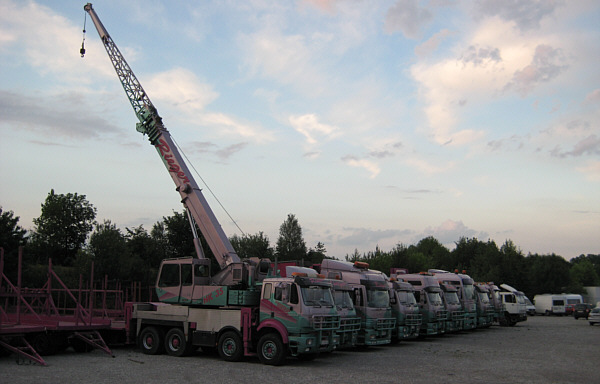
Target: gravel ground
x,y
540,350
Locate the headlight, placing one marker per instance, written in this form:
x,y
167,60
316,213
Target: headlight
x,y
309,342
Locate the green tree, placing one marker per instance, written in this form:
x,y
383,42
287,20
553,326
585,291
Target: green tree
x,y
548,274
248,246
145,250
583,274
316,255
63,227
290,244
12,236
109,251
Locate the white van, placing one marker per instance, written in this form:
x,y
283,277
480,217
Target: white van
x,y
549,304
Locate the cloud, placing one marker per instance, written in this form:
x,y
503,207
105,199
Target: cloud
x,y
429,46
526,14
450,231
406,16
230,126
34,35
182,89
314,131
546,65
52,116
363,236
372,167
587,146
487,65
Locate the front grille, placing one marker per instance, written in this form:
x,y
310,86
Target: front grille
x,y
385,323
326,322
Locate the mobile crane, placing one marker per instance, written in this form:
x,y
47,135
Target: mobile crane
x,y
242,310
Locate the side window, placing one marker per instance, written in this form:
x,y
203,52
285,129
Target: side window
x,y
293,294
169,275
267,291
418,296
186,274
279,293
358,297
392,296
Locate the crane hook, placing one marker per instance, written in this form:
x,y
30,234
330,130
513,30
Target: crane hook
x,y
82,50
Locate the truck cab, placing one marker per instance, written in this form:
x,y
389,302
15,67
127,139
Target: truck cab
x,y
485,310
405,309
349,319
455,315
428,295
302,310
370,297
466,293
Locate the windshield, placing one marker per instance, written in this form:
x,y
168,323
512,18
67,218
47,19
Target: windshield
x,y
451,298
406,298
483,297
342,299
317,296
378,298
469,291
434,298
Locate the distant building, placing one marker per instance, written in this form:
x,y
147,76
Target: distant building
x,y
592,296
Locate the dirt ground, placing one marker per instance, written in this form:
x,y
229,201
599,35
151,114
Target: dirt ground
x,y
540,350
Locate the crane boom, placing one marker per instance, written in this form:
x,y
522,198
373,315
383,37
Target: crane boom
x,y
150,123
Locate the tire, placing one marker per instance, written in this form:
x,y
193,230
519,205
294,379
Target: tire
x,y
230,346
176,344
271,350
79,345
42,343
151,341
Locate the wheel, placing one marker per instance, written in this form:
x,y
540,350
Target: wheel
x,y
271,350
151,341
231,347
176,344
42,343
79,345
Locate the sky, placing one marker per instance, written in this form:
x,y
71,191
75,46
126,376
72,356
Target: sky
x,y
375,123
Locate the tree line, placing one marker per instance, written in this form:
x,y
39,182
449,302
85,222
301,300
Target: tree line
x,y
67,233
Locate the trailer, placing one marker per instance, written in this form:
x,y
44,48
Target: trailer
x,y
35,322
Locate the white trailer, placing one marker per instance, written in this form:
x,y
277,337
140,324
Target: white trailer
x,y
549,304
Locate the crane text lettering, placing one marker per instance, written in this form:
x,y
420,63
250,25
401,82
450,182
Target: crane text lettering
x,y
165,152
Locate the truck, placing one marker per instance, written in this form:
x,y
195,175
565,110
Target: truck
x,y
485,308
495,300
431,307
349,320
550,304
513,305
405,309
370,296
466,293
455,318
240,310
